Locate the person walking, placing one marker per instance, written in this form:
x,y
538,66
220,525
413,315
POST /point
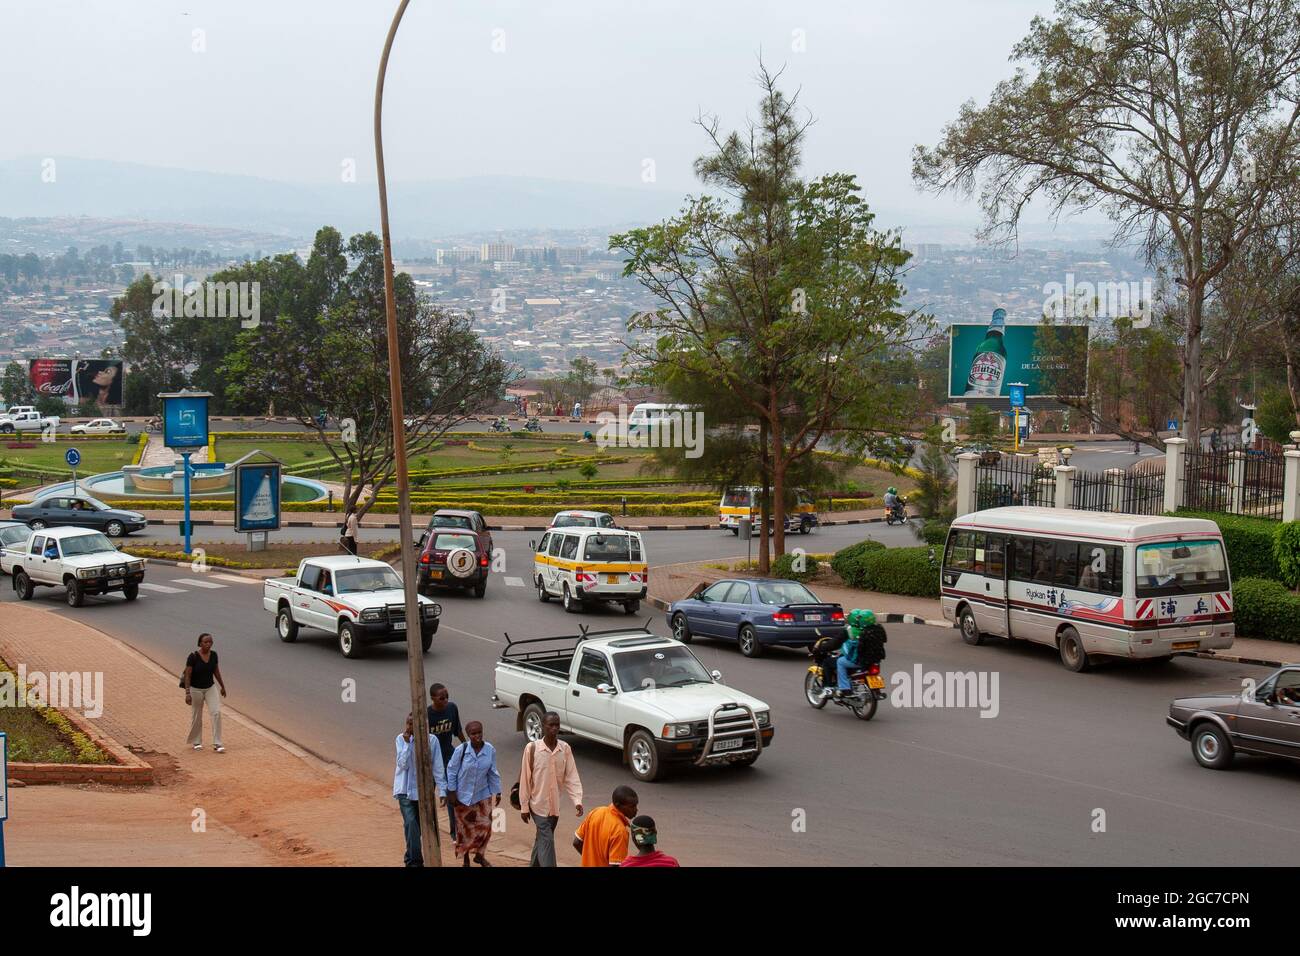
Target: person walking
x,y
474,787
350,526
547,765
444,723
602,838
201,669
406,788
645,837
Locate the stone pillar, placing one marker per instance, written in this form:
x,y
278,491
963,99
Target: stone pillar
x,y
1237,482
1115,490
1175,469
967,466
1065,485
1291,484
1046,487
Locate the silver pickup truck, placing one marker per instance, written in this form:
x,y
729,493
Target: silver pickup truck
x,y
629,688
358,600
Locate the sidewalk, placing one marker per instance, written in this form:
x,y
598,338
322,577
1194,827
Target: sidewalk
x,y
265,801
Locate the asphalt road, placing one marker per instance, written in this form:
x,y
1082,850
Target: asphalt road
x,y
914,786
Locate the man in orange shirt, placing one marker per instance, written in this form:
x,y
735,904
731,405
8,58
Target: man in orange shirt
x,y
602,838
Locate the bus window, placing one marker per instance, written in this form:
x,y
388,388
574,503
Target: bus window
x,y
1022,551
1044,555
995,556
961,551
1101,568
1066,572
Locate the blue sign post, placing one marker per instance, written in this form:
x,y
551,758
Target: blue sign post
x,y
4,792
1016,391
185,428
73,458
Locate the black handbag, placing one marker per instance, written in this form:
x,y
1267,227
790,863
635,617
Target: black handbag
x,y
514,791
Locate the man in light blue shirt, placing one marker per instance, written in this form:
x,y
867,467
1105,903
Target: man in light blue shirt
x,y
474,783
406,788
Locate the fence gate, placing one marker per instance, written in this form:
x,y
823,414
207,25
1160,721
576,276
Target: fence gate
x,y
1014,480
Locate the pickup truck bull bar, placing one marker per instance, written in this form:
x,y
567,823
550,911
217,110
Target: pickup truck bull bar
x,y
730,722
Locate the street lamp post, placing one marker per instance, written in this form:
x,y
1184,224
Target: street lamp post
x,y
429,838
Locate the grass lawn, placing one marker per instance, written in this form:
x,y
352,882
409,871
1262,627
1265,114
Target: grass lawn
x,y
280,556
96,456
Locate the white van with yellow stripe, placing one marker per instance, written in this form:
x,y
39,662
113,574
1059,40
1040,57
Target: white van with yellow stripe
x,y
583,565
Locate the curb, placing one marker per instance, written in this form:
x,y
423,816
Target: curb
x,y
1233,658
395,526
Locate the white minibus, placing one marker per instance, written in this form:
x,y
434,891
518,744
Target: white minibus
x,y
1091,584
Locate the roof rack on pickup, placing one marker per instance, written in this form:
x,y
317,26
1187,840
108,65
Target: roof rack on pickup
x,y
514,650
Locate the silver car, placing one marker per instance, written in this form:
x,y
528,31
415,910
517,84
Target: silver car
x,y
1265,721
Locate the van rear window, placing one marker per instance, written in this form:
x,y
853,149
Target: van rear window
x,y
602,547
736,499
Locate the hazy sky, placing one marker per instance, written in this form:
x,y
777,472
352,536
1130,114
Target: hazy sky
x,y
581,91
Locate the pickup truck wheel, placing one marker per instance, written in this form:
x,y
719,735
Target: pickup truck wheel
x,y
642,756
114,529
37,525
348,642
681,629
426,641
749,645
6,428
23,585
570,603
805,527
285,626
75,597
131,591
533,715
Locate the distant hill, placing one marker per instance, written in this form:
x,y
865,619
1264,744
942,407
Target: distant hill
x,y
423,210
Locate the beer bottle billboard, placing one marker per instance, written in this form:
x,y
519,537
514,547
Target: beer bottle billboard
x,y
987,368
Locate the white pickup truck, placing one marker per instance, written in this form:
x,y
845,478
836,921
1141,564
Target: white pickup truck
x,y
628,688
358,600
32,421
80,560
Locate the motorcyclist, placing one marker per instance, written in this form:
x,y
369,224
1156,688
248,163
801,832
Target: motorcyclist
x,y
892,503
864,644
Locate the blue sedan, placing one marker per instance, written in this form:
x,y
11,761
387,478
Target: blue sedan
x,y
755,613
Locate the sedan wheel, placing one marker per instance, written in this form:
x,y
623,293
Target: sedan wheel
x,y
114,529
749,645
681,629
37,525
1211,747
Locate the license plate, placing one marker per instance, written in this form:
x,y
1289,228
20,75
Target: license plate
x,y
812,617
611,579
114,582
876,683
435,574
399,625
735,743
1185,645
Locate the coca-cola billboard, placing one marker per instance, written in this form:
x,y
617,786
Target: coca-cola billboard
x,y
75,380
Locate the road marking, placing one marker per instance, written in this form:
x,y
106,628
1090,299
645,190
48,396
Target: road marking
x,y
515,582
236,578
161,588
448,627
195,582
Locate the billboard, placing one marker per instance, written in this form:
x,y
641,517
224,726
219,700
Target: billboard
x,y
985,360
257,497
185,420
76,380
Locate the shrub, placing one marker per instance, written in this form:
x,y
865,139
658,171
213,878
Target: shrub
x,y
934,533
900,571
1249,542
1265,609
847,561
1286,549
784,567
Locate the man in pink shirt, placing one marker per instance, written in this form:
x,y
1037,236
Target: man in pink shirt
x,y
548,765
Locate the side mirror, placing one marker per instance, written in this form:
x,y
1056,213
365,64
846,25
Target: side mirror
x,y
532,545
606,689
423,536
717,676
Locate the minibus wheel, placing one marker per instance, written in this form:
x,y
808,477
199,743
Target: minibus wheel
x,y
970,631
1073,655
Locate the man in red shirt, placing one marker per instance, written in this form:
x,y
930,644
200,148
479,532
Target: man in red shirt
x,y
645,836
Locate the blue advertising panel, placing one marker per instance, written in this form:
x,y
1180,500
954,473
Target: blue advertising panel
x,y
257,497
185,421
1017,396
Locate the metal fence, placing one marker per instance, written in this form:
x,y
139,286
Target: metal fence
x,y
1265,476
1127,493
1208,483
1205,481
1014,480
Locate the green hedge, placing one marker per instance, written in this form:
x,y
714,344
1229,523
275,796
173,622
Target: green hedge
x,y
1286,549
847,562
934,533
1249,542
784,567
1265,609
899,571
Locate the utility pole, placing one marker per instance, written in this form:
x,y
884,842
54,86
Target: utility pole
x,y
430,843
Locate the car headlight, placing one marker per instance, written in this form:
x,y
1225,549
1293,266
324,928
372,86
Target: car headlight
x,y
764,718
373,614
431,610
136,565
87,572
677,730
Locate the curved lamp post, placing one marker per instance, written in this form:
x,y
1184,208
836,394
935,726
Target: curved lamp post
x,y
429,839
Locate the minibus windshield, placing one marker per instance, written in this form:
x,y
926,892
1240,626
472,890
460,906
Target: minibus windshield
x,y
1180,567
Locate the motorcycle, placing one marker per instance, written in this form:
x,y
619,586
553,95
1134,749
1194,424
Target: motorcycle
x,y
532,425
499,425
898,513
867,684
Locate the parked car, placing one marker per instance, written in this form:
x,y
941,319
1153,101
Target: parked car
x,y
359,600
646,695
582,565
13,534
454,558
78,559
1266,723
82,511
582,519
99,426
755,614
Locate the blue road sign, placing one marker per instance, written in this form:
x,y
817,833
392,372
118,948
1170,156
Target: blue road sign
x,y
72,457
1017,396
1171,425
